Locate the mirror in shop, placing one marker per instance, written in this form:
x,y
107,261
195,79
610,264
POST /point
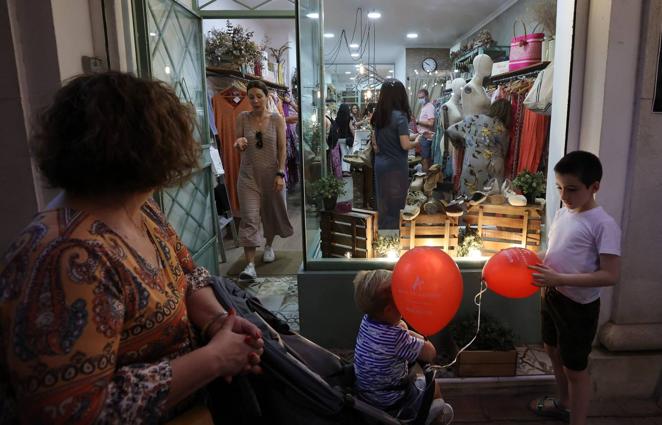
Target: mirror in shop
x,y
434,132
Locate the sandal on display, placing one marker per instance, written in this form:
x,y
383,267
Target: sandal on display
x,y
455,208
432,178
417,182
415,197
433,206
492,187
477,198
550,407
513,198
410,212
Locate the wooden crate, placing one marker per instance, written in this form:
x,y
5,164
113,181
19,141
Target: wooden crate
x,y
487,363
437,230
351,232
506,226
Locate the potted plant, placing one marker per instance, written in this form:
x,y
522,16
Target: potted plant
x,y
328,188
491,354
470,243
231,47
532,185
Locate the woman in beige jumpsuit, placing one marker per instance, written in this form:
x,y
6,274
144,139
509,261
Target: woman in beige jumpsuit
x,y
261,184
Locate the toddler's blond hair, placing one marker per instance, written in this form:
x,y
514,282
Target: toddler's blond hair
x,y
372,291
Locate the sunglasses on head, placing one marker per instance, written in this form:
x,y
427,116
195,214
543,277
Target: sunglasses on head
x,y
258,139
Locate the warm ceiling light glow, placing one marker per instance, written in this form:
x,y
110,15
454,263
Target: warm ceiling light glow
x,y
329,35
374,15
361,69
412,35
313,15
354,46
368,94
355,55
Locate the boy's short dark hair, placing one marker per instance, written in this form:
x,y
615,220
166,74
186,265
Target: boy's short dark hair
x,y
584,165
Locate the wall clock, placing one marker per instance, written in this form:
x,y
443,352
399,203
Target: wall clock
x,y
429,65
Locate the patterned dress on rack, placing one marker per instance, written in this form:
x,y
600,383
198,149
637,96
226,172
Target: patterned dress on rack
x,y
87,326
258,200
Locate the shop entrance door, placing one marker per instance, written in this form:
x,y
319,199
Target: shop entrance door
x,y
169,48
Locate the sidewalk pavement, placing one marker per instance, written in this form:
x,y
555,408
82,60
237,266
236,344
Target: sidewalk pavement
x,y
513,410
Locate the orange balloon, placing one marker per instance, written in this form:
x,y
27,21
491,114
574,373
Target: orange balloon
x,y
427,289
507,273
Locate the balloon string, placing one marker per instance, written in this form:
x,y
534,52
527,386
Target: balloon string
x,y
478,301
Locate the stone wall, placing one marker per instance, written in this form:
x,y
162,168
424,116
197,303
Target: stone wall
x,y
415,56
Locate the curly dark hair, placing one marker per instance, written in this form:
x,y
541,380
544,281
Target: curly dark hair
x,y
112,134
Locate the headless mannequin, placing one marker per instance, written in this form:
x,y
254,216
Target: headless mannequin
x,y
454,105
474,99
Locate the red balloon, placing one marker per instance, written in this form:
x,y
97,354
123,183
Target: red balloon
x,y
507,273
427,289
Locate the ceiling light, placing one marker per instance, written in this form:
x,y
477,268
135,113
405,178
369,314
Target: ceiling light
x,y
329,35
313,15
412,35
167,70
374,15
390,71
355,55
354,46
352,78
368,94
357,66
361,69
416,71
347,72
152,34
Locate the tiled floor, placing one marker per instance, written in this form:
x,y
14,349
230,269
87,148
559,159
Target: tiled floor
x,y
279,295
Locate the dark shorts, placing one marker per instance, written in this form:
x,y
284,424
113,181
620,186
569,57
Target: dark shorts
x,y
426,148
569,325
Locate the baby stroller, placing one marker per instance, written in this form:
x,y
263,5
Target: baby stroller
x,y
302,383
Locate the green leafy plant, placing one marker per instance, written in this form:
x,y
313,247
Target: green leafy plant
x,y
532,185
232,44
493,334
469,239
328,187
385,244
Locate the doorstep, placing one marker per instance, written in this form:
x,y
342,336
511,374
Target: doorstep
x,y
506,385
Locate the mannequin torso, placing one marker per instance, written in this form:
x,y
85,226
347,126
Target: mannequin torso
x,y
474,99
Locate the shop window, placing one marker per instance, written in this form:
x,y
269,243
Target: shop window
x,y
476,182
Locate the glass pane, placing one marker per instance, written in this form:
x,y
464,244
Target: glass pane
x,y
312,115
175,46
246,5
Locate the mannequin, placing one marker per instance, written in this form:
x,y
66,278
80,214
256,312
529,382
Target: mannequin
x,y
454,105
451,113
474,99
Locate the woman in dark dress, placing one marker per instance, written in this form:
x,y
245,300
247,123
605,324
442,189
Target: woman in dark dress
x,y
391,143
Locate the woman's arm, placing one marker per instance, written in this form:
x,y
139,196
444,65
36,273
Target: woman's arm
x,y
407,144
279,181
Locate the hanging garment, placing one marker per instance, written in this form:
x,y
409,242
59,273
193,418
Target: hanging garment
x,y
512,158
534,137
485,143
260,203
292,161
228,104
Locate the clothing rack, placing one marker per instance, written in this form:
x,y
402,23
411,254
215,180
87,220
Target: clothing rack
x,y
520,74
219,72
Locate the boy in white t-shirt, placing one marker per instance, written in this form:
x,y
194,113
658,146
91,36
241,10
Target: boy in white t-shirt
x,y
583,255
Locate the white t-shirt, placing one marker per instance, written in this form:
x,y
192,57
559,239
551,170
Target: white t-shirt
x,y
576,241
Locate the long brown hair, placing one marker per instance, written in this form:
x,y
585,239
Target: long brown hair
x,y
392,97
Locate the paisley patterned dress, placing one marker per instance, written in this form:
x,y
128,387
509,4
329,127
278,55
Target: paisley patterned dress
x,y
485,140
88,327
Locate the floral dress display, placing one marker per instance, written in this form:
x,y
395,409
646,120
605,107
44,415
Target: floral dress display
x,y
485,142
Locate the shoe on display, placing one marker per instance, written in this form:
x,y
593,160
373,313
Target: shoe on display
x,y
353,160
410,212
455,208
477,198
496,199
248,274
417,182
433,206
440,413
492,187
432,178
513,198
416,198
269,255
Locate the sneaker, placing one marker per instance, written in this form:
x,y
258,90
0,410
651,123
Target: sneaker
x,y
249,274
477,198
440,413
269,255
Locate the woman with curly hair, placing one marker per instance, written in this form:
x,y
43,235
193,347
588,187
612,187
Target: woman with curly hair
x,y
98,295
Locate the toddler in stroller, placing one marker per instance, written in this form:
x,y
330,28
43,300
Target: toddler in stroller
x,y
384,349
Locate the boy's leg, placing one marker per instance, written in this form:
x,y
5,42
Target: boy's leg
x,y
559,374
580,395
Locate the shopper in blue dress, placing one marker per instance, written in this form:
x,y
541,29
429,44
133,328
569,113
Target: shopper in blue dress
x,y
391,144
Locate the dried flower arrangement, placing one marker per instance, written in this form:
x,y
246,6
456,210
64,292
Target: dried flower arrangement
x,y
233,44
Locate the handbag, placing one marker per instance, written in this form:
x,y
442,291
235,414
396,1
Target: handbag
x,y
526,49
539,98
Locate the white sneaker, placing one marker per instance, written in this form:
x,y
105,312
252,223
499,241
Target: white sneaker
x,y
513,198
269,255
249,274
440,413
